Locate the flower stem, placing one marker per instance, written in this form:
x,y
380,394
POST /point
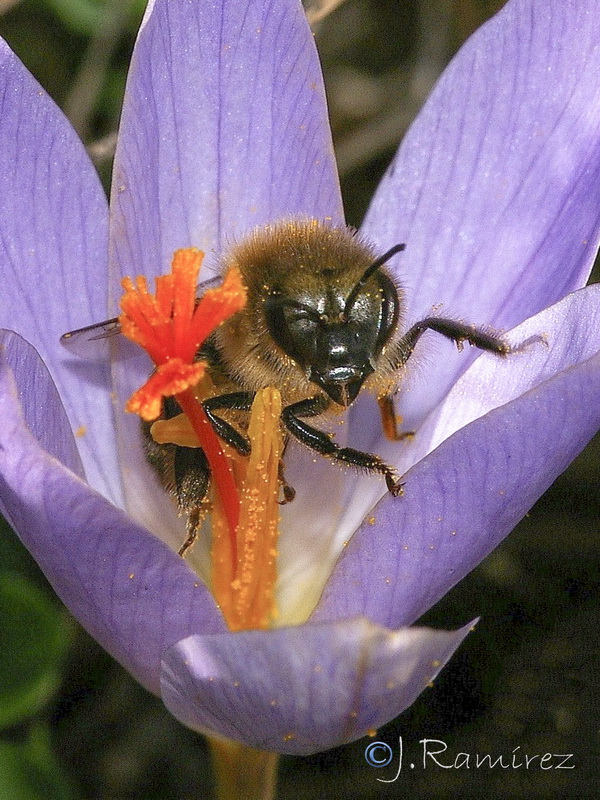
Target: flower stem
x,y
243,772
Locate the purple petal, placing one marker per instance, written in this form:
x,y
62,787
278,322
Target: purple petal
x,y
303,689
224,128
130,591
53,254
43,411
496,188
462,500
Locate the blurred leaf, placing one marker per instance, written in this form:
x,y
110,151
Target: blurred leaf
x,y
81,16
13,556
35,636
28,770
6,4
85,16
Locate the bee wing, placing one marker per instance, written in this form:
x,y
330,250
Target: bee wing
x,y
92,341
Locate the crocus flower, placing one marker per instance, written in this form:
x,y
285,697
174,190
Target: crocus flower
x,y
496,193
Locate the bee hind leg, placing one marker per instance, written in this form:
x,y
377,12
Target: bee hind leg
x,y
192,529
191,476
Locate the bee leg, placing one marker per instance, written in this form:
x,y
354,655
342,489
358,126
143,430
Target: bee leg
x,y
321,442
193,526
238,401
459,332
390,420
191,475
184,473
288,491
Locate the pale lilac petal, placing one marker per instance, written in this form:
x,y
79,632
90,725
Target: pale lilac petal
x,y
303,689
556,339
224,127
43,411
462,500
496,188
53,254
132,593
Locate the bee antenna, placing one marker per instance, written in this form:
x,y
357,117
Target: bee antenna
x,y
379,262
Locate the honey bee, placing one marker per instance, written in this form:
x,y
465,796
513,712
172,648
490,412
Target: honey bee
x,y
323,322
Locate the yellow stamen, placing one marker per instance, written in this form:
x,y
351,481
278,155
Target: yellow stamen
x,y
246,594
177,430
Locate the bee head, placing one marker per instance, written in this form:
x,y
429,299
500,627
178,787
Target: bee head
x,y
337,337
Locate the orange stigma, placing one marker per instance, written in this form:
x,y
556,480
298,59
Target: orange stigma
x,y
171,326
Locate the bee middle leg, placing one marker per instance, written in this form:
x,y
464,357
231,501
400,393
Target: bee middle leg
x,y
322,443
390,420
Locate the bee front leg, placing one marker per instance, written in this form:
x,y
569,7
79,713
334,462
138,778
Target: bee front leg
x,y
322,443
236,401
459,332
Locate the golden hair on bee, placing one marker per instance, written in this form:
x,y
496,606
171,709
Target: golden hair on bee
x,y
296,331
